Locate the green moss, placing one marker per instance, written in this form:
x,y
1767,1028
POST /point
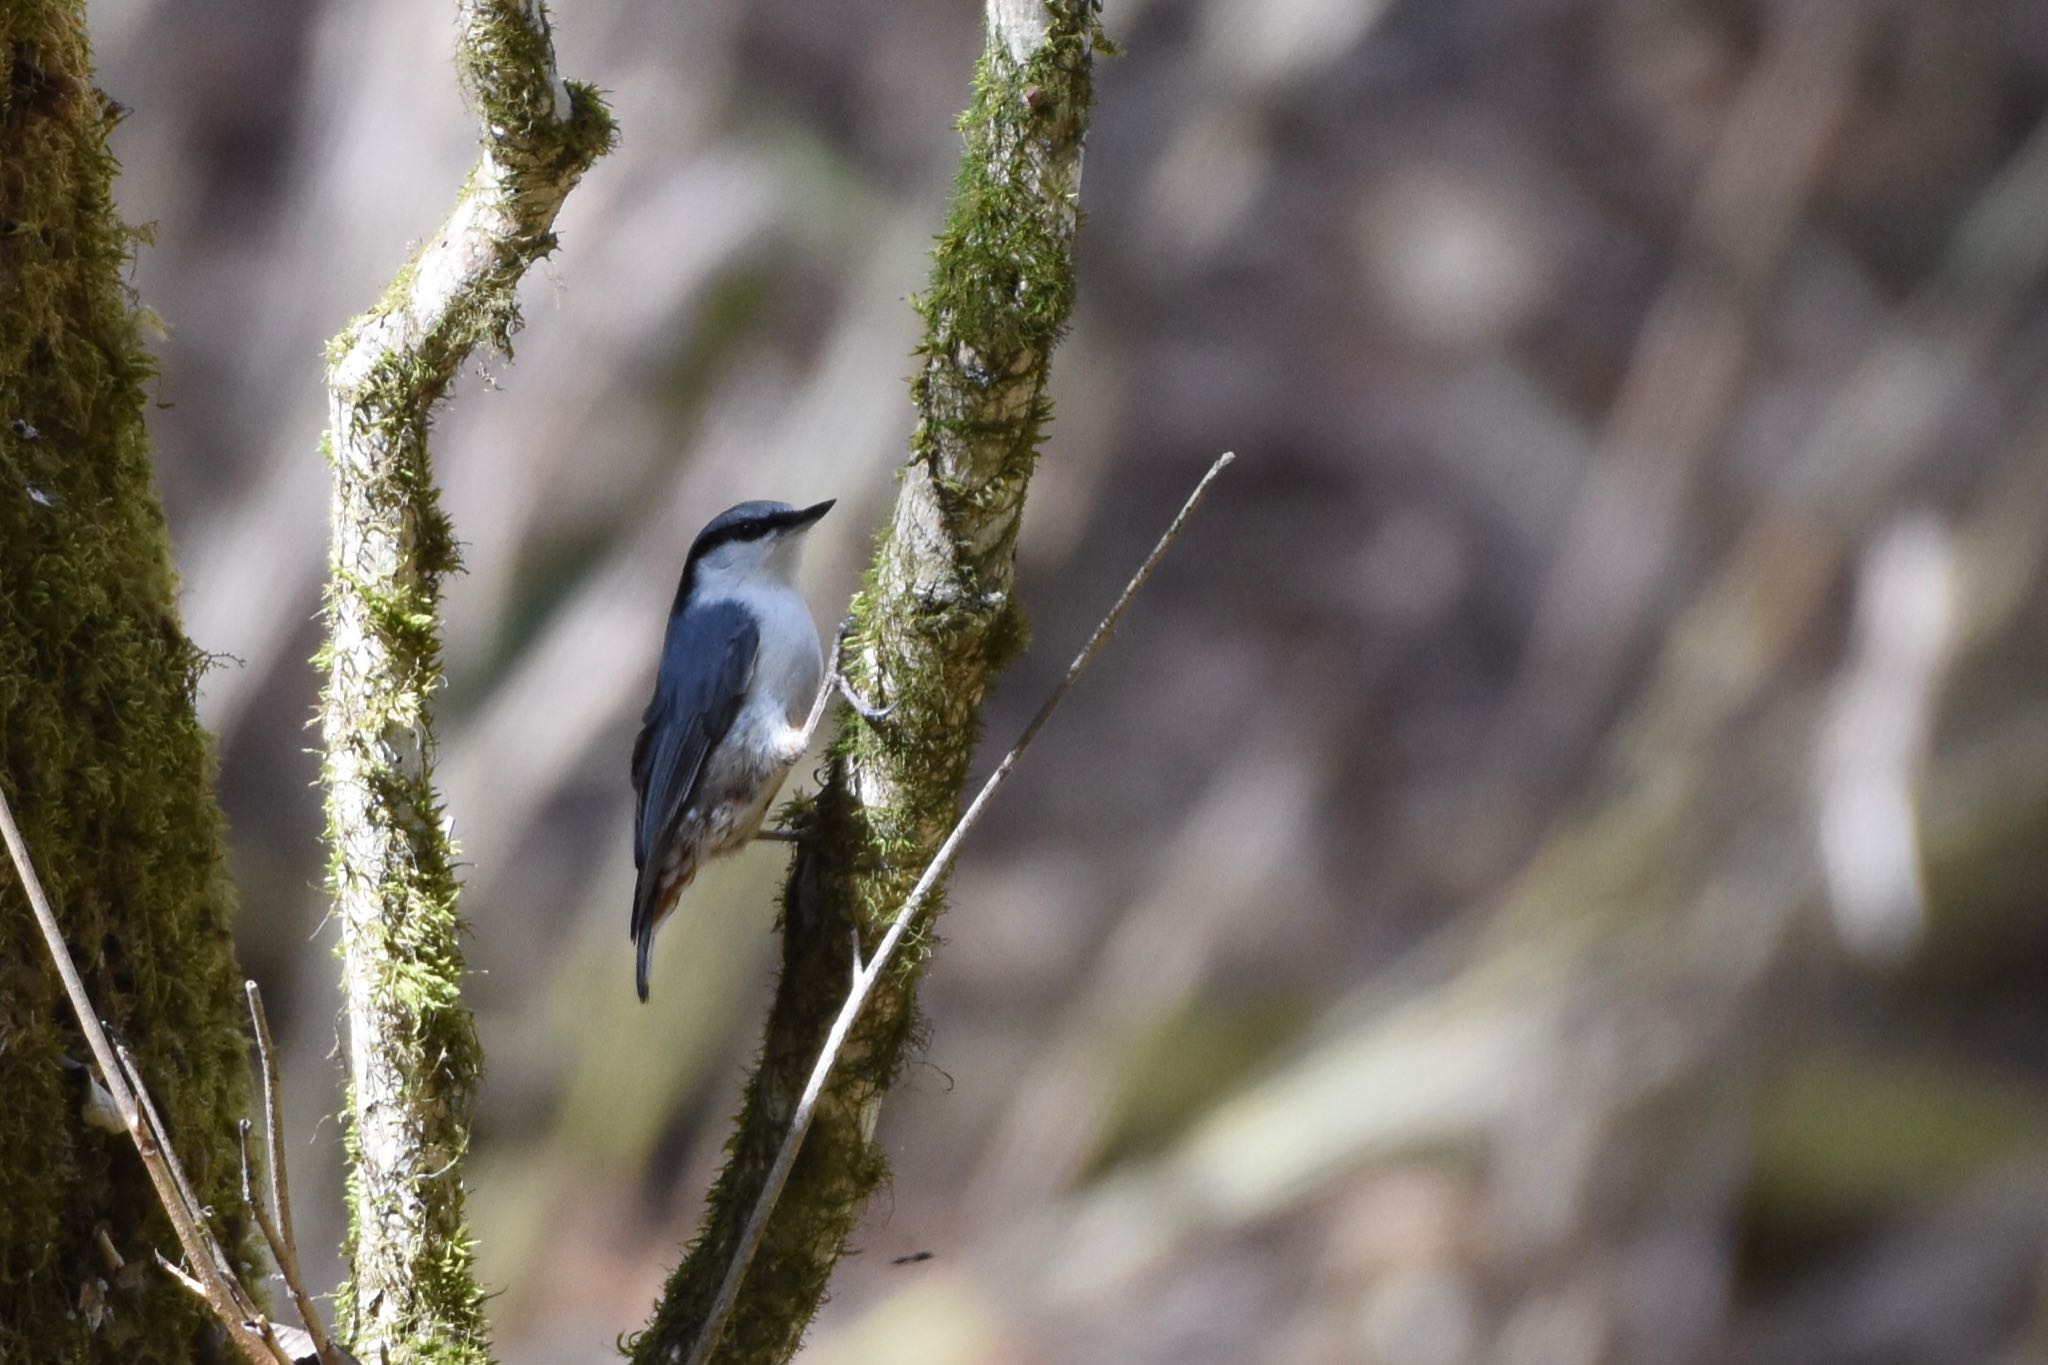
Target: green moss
x,y
100,754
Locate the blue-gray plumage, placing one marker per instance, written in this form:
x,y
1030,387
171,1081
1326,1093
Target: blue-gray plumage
x,y
740,669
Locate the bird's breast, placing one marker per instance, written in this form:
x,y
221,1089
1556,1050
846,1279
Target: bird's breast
x,y
788,663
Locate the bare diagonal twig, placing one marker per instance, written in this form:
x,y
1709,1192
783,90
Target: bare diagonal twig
x,y
866,974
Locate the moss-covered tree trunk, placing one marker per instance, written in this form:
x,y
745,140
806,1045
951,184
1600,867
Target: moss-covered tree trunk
x,y
933,626
100,755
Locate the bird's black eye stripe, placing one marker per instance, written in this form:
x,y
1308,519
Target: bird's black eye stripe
x,y
751,521
742,523
735,535
754,530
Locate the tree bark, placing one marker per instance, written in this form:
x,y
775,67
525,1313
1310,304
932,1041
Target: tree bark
x,y
933,626
100,755
413,1056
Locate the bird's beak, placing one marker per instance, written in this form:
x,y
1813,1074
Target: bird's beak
x,y
809,516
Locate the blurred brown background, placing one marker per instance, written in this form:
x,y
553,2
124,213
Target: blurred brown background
x,y
1552,871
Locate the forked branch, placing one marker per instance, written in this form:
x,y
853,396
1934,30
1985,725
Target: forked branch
x,y
412,1051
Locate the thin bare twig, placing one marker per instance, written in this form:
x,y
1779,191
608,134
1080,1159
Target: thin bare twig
x,y
255,1205
267,1330
269,1348
865,975
188,1216
171,1269
277,1229
151,1140
189,1207
316,1343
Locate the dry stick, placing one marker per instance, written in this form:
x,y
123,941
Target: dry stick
x,y
284,1243
188,1216
263,1324
152,1145
280,1249
273,1349
865,975
268,1330
198,1289
188,1202
261,1214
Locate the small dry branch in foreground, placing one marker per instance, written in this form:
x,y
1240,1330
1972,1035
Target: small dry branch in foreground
x,y
208,1271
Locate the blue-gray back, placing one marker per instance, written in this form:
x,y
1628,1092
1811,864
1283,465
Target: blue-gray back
x,y
707,662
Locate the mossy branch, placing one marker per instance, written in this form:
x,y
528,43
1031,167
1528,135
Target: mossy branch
x,y
933,625
413,1057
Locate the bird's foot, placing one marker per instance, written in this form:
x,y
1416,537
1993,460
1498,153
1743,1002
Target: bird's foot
x,y
862,707
798,741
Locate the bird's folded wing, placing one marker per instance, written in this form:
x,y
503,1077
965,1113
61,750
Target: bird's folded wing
x,y
707,664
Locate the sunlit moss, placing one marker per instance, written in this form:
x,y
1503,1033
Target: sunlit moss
x,y
107,770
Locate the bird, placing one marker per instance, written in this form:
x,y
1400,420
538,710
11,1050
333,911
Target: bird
x,y
740,688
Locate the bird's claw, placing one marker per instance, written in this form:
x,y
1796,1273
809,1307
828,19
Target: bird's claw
x,y
862,707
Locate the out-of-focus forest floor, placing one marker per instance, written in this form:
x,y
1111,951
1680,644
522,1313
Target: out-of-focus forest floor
x,y
1552,871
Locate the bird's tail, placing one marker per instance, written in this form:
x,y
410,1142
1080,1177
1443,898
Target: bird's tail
x,y
654,896
644,939
646,913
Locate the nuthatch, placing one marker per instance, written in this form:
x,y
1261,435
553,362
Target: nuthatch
x,y
736,701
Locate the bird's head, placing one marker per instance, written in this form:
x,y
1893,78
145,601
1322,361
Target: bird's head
x,y
754,542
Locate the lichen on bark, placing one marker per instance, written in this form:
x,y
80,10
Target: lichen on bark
x,y
934,623
412,1294
101,756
